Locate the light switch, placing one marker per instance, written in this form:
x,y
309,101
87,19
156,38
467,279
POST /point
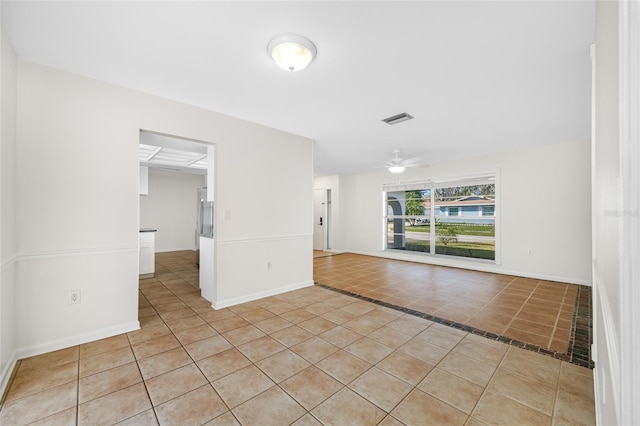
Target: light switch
x,y
226,214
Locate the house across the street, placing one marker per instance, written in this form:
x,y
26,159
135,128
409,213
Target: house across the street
x,y
478,209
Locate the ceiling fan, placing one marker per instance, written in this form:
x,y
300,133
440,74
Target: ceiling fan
x,y
398,164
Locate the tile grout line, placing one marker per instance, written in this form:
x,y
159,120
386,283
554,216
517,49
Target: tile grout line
x,y
493,298
486,388
555,325
556,392
155,414
522,306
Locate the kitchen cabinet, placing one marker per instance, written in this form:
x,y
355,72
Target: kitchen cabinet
x,y
147,252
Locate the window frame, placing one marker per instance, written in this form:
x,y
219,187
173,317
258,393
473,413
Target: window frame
x,y
433,212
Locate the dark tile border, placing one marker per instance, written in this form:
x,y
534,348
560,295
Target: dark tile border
x,y
582,329
579,351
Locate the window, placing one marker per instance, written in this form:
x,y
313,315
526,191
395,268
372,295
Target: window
x,y
488,210
407,210
455,218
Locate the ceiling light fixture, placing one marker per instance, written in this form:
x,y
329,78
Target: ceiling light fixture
x,y
291,52
396,169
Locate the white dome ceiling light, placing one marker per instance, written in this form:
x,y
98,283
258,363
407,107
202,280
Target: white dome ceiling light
x,y
291,52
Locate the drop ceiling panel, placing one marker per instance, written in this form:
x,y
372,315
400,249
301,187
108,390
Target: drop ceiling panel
x,y
156,156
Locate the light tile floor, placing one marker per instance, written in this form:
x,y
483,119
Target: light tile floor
x,y
310,356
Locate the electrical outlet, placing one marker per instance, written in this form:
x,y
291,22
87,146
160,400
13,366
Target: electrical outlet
x,y
74,297
268,265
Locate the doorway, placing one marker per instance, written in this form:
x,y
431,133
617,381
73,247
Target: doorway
x,y
322,219
175,169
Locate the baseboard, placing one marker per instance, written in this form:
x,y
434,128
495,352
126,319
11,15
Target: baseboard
x,y
30,351
474,265
5,374
193,249
260,295
607,336
597,394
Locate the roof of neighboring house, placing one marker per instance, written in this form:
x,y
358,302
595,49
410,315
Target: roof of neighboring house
x,y
471,200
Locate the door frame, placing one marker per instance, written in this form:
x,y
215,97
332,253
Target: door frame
x,y
322,196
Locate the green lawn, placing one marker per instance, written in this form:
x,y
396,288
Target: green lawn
x,y
461,228
472,250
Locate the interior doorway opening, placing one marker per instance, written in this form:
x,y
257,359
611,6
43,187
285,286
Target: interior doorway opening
x,y
322,239
174,171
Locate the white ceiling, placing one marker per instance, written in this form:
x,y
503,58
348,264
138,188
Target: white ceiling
x,y
478,76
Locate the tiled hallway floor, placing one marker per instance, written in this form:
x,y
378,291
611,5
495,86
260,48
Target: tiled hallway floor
x,y
307,357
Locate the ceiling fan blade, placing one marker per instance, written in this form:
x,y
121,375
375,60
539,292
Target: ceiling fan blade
x,y
412,161
394,162
397,161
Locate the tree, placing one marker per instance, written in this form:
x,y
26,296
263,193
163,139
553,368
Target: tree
x,y
413,205
446,235
451,193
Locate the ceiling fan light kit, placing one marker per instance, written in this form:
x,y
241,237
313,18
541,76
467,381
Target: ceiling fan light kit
x,y
291,52
398,165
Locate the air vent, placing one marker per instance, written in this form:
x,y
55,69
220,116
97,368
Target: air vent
x,y
397,118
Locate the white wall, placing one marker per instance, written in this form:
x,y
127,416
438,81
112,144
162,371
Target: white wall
x,y
78,204
544,205
606,273
8,86
616,223
171,208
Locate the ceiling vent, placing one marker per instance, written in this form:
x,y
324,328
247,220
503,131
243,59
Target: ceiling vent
x,y
397,118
